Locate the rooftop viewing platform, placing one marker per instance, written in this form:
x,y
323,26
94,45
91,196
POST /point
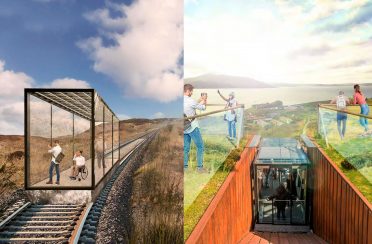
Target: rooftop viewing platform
x,y
307,184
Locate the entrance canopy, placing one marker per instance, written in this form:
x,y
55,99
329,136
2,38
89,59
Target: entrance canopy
x,y
281,151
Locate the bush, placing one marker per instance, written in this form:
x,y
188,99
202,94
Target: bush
x,y
230,161
346,165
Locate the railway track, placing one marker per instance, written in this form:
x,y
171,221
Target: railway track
x,y
60,223
41,223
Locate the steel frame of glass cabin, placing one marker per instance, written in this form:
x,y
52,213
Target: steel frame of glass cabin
x,y
79,103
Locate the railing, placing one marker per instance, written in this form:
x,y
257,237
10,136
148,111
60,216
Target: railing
x,y
348,137
341,214
217,145
230,214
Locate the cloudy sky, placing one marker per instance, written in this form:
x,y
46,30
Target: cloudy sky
x,y
280,41
131,54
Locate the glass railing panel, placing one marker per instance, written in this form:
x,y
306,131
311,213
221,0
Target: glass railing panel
x,y
348,137
218,144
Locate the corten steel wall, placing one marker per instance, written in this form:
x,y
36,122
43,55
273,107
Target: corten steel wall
x,y
341,214
229,215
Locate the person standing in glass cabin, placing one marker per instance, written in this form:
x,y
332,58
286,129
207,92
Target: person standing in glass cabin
x,y
99,148
341,102
191,130
360,99
55,151
230,115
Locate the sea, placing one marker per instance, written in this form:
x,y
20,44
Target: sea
x,y
288,95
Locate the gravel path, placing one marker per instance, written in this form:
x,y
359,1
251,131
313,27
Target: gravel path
x,y
115,221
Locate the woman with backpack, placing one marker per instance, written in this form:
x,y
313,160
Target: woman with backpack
x,y
341,102
230,115
360,99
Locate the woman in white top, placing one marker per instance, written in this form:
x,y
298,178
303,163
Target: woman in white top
x,y
230,115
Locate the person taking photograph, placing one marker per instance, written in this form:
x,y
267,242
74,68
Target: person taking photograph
x,y
230,115
55,151
191,130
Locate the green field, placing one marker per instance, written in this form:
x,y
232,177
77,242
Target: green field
x,y
199,189
217,149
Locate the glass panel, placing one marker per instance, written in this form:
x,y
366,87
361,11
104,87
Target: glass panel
x,y
107,125
40,138
281,194
220,133
82,143
346,133
116,139
99,148
62,131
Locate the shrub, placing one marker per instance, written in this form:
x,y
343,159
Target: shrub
x,y
346,165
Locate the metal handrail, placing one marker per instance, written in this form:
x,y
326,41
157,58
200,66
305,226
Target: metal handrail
x,y
343,111
212,112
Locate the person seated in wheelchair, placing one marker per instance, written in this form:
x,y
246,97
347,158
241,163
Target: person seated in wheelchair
x,y
78,164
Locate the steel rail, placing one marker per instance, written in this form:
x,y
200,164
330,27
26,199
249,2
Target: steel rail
x,y
326,106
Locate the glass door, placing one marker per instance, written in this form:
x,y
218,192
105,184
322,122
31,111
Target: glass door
x,y
272,197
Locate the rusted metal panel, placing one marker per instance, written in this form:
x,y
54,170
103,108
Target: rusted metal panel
x,y
229,215
341,214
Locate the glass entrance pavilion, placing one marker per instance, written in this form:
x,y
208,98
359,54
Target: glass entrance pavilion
x,y
281,175
79,120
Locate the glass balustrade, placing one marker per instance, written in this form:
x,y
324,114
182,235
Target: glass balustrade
x,y
345,132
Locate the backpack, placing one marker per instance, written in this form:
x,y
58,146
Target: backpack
x,y
341,102
59,157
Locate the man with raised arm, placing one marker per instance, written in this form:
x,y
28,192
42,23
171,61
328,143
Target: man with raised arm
x,y
191,130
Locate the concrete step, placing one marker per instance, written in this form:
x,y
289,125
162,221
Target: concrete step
x,y
282,228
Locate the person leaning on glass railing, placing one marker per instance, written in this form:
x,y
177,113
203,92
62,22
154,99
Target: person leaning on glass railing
x,y
341,102
360,99
230,115
191,130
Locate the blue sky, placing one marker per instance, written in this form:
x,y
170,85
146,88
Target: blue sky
x,y
49,40
315,41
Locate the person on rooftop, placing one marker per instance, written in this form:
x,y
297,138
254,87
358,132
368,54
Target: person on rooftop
x,y
191,130
341,102
230,115
360,99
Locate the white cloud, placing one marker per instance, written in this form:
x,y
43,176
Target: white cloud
x,y
143,59
68,83
278,44
158,115
11,97
124,116
13,83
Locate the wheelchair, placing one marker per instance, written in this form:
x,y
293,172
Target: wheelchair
x,y
83,171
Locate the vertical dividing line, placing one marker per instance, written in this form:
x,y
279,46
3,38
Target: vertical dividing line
x,y
27,137
73,133
92,138
119,138
112,140
103,141
51,124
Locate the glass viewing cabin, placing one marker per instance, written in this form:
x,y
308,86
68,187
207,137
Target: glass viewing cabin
x,y
281,164
81,121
